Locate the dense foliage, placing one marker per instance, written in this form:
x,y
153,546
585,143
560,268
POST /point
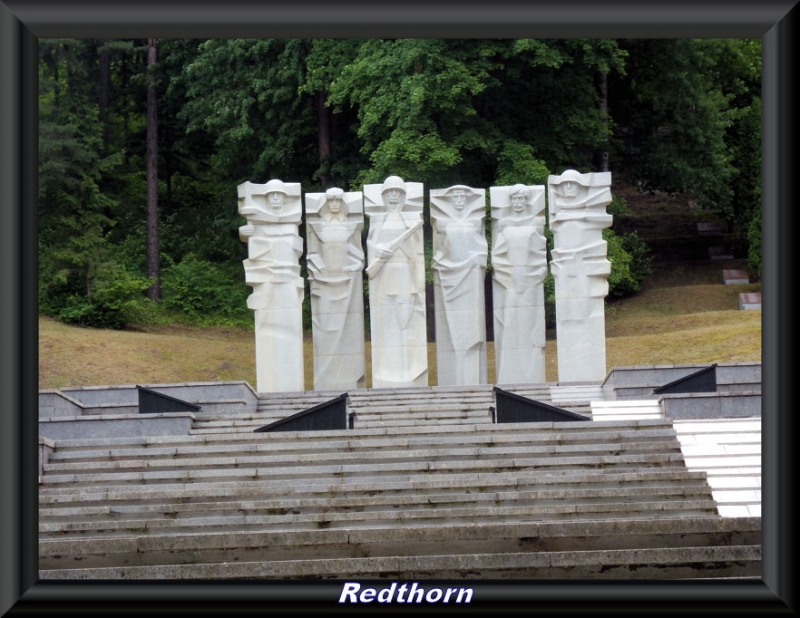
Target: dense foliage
x,y
681,116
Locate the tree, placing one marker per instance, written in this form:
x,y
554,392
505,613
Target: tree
x,y
246,94
153,268
677,111
138,188
79,278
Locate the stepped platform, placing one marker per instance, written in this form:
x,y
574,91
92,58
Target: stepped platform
x,y
422,485
638,382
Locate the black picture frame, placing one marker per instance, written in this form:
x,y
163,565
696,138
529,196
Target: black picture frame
x,y
22,22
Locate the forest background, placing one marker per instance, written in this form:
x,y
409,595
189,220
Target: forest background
x,y
142,144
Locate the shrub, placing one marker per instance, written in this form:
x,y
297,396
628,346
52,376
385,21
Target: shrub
x,y
205,292
115,300
630,263
754,244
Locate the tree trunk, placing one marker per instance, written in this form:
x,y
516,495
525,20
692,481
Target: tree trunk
x,y
153,265
324,130
105,85
601,157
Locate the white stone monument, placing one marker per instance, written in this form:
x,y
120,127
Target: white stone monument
x,y
274,247
334,221
396,271
459,267
577,204
519,267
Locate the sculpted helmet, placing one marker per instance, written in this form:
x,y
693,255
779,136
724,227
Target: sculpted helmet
x,y
573,176
274,186
394,182
334,193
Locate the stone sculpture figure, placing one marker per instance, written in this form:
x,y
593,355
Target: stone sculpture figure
x,y
396,271
580,269
274,247
334,222
460,251
519,267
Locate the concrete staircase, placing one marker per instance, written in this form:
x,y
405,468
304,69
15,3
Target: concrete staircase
x,y
423,486
381,407
729,452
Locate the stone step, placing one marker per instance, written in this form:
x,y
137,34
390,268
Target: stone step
x,y
399,421
412,540
425,485
729,452
380,417
299,470
385,416
492,436
410,397
296,519
428,410
488,433
638,382
323,442
369,502
65,495
657,563
367,456
443,412
626,409
569,393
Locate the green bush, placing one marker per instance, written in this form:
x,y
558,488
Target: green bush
x,y
641,264
618,206
205,292
754,244
115,300
630,263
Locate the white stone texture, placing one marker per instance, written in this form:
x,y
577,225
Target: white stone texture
x,y
519,266
580,269
334,222
273,211
396,271
460,251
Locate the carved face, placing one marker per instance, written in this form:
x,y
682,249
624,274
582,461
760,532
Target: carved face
x,y
394,199
458,198
518,202
571,188
335,205
275,200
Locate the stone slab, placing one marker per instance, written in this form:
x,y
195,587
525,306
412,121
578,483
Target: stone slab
x,y
735,276
649,563
547,536
711,405
105,427
55,403
750,300
638,381
211,396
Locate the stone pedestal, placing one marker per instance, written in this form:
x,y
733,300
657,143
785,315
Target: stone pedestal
x,y
334,222
274,247
519,265
735,276
396,272
580,269
459,268
750,300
